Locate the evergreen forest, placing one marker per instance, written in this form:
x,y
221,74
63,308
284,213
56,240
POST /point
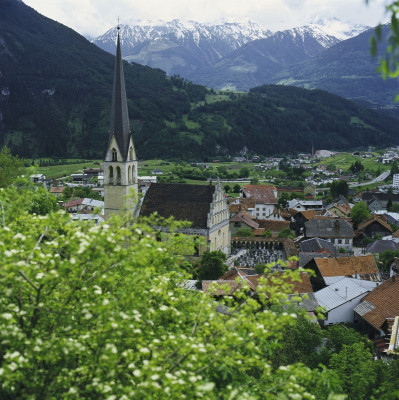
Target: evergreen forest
x,y
55,94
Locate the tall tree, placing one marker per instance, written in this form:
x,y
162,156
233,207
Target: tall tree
x,y
359,212
10,167
101,312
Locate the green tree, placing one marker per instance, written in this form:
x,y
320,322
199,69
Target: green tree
x,y
244,232
227,188
354,366
387,258
243,172
359,212
267,233
339,187
286,233
356,167
342,335
300,344
212,265
101,312
43,202
236,188
282,201
254,181
10,167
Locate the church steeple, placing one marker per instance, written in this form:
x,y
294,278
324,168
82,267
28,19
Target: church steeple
x,y
120,163
119,126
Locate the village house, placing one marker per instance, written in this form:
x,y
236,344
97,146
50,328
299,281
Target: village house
x,y
238,278
302,205
337,231
265,197
83,205
377,311
340,298
57,190
242,220
332,269
375,225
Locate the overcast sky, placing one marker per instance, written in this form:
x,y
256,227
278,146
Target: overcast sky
x,y
94,17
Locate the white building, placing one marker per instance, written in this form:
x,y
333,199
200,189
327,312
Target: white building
x,y
396,181
340,298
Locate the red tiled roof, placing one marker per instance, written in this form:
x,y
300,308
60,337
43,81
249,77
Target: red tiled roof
x,y
273,226
73,203
241,217
342,266
308,214
385,299
261,193
57,189
302,286
220,289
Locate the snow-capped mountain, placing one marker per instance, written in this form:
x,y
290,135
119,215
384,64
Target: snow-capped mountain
x,y
194,49
184,45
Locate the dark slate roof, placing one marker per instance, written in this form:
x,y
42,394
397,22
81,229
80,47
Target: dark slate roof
x,y
328,228
119,126
316,244
178,200
378,246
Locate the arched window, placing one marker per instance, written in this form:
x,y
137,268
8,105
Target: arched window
x,y
110,175
114,155
131,153
118,175
129,174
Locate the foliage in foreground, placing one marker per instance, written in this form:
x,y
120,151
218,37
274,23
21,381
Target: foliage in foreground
x,y
99,312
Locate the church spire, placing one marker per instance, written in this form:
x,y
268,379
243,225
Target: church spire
x,y
119,127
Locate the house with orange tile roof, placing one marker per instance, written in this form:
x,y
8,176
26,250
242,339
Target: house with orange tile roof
x,y
332,269
378,310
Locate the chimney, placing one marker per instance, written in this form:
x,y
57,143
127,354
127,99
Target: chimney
x,y
393,278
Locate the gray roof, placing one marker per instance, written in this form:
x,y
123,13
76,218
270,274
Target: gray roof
x,y
119,126
342,291
378,246
363,308
328,228
316,244
308,302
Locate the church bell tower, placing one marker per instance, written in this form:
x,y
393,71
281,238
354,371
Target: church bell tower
x,y
120,163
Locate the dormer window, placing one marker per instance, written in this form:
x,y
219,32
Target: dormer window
x,y
114,155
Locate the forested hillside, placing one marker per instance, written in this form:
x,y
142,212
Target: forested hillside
x,y
55,94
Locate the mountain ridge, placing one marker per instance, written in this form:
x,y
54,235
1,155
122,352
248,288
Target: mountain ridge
x,y
179,47
55,95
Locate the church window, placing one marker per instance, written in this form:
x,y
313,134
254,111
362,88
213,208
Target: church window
x,y
129,174
118,175
114,155
111,175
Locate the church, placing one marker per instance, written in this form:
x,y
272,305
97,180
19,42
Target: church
x,y
204,206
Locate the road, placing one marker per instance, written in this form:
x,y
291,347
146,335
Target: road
x,y
379,178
